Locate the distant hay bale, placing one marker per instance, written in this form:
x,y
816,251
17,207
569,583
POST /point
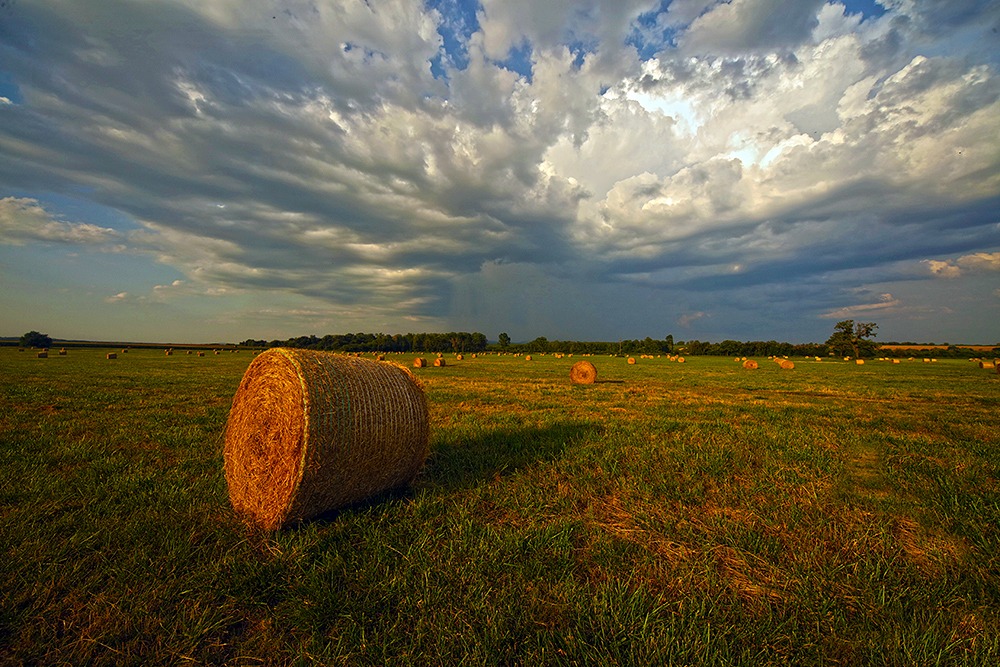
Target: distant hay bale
x,y
311,432
527,357
187,352
859,362
459,357
785,364
583,372
419,362
986,364
750,364
201,354
895,361
112,355
125,350
62,352
44,354
680,360
631,360
168,352
440,362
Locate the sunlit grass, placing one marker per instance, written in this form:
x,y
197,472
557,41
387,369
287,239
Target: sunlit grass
x,y
694,513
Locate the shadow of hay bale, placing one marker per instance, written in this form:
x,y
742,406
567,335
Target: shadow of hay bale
x,y
462,463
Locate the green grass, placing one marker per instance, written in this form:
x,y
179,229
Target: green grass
x,y
694,513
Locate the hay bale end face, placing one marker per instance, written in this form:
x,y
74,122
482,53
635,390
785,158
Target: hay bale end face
x,y
750,364
583,372
631,360
311,431
112,355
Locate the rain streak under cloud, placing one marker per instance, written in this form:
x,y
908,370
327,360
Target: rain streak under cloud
x,y
198,170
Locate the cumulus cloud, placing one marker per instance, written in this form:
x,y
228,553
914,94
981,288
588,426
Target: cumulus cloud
x,y
380,157
24,220
975,262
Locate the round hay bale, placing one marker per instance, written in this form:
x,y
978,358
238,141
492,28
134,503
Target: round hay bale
x,y
895,361
112,355
680,360
631,360
583,372
201,354
859,362
43,354
62,352
527,357
440,361
459,357
786,364
312,431
986,364
750,364
419,362
168,353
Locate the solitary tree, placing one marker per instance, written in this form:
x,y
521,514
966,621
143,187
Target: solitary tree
x,y
35,339
503,339
849,336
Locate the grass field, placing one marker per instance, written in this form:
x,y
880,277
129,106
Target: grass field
x,y
694,513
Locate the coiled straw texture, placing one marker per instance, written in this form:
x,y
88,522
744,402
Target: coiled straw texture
x,y
310,432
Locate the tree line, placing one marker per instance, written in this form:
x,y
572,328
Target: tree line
x,y
848,338
460,341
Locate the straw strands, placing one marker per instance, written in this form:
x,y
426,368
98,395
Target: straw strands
x,y
583,372
313,431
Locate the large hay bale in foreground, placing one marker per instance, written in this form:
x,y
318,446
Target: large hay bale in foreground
x,y
583,372
313,431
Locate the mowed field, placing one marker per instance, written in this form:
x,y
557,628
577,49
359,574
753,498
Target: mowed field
x,y
696,513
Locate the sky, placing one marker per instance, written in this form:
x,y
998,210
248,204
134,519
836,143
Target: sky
x,y
216,170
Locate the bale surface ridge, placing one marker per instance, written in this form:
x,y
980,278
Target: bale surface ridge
x,y
312,431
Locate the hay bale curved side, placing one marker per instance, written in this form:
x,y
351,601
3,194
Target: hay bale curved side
x,y
583,372
313,431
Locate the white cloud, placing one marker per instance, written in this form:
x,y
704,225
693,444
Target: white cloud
x,y
24,220
887,302
975,262
309,151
